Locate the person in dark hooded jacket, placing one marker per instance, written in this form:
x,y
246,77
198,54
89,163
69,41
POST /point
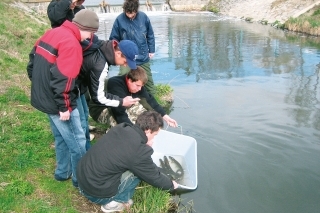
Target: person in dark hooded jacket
x,y
110,171
97,58
60,10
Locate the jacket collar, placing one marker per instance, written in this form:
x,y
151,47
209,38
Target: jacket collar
x,y
73,28
107,49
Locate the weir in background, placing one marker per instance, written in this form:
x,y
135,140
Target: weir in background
x,y
40,6
115,6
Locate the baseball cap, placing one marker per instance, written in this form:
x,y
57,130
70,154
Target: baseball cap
x,y
130,50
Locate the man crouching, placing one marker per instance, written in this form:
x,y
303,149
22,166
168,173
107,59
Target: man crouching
x,y
113,167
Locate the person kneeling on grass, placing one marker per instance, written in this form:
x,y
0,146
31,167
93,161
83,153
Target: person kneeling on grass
x,y
109,172
131,84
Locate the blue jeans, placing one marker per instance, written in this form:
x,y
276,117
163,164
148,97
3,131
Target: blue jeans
x,y
84,113
69,144
125,190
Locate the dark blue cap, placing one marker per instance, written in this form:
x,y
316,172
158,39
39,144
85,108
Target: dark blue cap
x,y
130,50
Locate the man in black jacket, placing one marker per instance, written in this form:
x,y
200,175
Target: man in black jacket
x,y
58,12
113,167
95,67
131,84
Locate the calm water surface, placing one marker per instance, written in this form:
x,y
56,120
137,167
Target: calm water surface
x,y
249,94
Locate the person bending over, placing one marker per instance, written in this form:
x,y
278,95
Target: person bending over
x,y
131,84
113,167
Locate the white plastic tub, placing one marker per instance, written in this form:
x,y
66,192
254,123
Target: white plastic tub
x,y
184,149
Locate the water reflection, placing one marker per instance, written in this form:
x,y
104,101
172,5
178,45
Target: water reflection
x,y
249,94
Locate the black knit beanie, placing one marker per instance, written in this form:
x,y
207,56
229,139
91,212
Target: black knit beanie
x,y
86,20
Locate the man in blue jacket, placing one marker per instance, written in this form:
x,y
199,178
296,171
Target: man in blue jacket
x,y
135,25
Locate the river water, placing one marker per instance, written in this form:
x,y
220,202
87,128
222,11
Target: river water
x,y
249,94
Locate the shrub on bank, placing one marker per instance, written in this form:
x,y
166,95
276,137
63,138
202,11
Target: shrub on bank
x,y
306,23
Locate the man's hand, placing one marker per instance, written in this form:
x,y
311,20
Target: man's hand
x,y
64,116
171,122
129,101
151,55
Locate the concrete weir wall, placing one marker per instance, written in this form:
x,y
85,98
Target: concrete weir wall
x,y
270,10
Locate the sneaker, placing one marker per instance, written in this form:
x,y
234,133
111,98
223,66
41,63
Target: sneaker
x,y
130,202
113,206
91,137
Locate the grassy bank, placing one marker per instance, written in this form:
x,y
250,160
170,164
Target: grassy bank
x,y
308,23
26,143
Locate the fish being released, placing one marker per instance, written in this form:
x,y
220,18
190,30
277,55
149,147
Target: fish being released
x,y
167,165
179,172
167,169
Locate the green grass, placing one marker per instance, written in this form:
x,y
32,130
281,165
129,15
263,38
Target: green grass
x,y
308,23
26,143
211,7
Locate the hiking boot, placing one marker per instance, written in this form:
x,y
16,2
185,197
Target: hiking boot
x,y
113,206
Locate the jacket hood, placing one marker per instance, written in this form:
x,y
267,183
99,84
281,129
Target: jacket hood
x,y
107,49
90,46
140,132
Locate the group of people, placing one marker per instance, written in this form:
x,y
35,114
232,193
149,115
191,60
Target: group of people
x,y
68,62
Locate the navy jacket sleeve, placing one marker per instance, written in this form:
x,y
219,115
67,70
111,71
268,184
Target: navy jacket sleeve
x,y
115,31
150,36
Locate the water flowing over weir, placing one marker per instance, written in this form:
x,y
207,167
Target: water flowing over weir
x,y
115,6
